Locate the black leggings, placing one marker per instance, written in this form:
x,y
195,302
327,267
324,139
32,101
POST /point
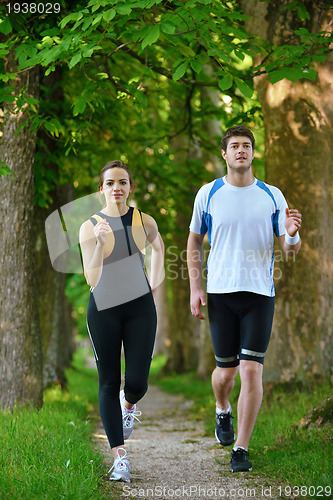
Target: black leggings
x,y
132,324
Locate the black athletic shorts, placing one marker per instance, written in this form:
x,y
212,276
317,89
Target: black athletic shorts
x,y
240,325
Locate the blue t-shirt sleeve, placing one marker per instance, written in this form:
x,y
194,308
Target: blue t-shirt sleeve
x,y
281,206
198,221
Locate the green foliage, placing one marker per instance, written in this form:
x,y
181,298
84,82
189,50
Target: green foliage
x,y
124,66
4,170
77,292
129,50
48,453
179,35
5,26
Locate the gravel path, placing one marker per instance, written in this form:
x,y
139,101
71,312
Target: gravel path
x,y
171,457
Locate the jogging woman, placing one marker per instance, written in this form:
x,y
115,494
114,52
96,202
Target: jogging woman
x,y
121,308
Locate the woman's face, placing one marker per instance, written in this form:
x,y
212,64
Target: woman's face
x,y
116,185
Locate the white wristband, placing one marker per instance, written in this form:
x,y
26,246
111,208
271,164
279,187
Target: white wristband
x,y
291,240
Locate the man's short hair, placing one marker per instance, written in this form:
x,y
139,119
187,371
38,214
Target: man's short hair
x,y
238,130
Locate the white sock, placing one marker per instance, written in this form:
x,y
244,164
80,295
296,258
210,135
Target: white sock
x,y
128,409
219,411
239,448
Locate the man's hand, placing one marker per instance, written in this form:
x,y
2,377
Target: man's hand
x,y
197,298
293,221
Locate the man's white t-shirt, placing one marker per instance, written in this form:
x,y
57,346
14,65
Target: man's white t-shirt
x,y
240,222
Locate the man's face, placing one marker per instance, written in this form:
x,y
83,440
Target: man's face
x,y
239,154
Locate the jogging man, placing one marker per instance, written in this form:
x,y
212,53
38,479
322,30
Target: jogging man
x,y
240,214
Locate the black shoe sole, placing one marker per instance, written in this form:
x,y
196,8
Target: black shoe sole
x,y
226,443
241,470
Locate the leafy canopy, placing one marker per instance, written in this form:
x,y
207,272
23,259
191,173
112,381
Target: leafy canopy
x,y
171,38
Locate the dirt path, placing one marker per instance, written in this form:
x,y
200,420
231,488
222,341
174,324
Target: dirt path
x,y
171,457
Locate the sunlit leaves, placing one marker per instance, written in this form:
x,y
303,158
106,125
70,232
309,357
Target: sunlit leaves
x,y
185,50
225,83
74,16
195,65
152,36
245,89
25,51
79,105
75,59
180,71
292,74
53,127
5,26
124,10
109,15
173,39
168,27
173,34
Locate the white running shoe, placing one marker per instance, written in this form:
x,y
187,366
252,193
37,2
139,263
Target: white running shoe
x,y
128,417
121,468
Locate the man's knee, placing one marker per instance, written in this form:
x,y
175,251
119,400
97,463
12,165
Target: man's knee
x,y
250,370
225,375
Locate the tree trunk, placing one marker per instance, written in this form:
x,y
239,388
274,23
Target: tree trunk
x,y
184,328
21,352
55,312
190,340
213,164
320,416
299,160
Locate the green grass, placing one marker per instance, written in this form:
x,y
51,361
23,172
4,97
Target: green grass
x,y
48,454
278,450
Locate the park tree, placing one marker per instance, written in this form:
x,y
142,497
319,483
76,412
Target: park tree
x,y
55,312
35,316
298,118
214,164
21,350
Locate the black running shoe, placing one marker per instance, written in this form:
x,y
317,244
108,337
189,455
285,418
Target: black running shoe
x,y
224,431
239,460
